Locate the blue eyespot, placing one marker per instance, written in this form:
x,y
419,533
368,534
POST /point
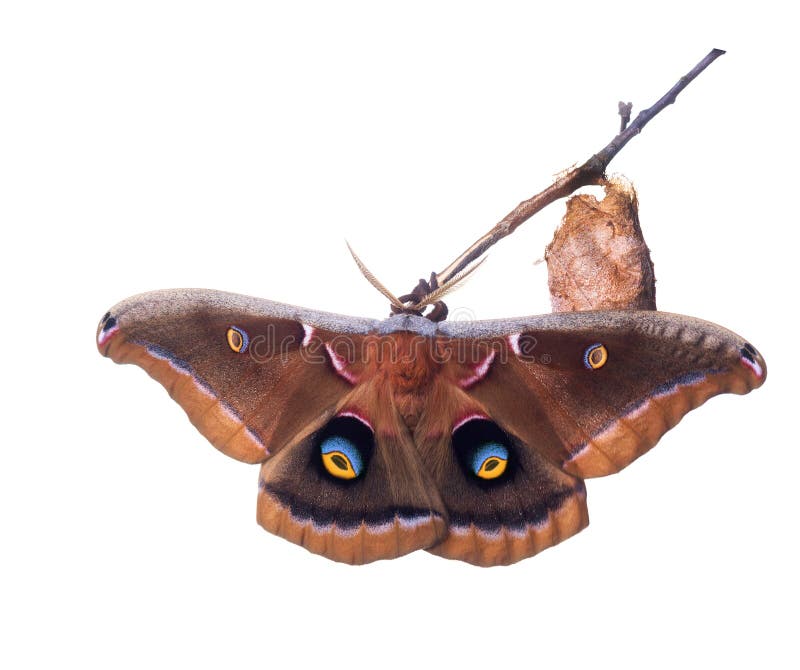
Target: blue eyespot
x,y
490,460
341,458
483,449
345,445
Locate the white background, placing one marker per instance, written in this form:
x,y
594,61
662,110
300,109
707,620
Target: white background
x,y
236,146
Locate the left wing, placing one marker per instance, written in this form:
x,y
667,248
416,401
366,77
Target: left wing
x,y
251,374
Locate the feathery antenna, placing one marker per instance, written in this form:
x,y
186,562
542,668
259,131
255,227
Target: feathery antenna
x,y
372,279
417,301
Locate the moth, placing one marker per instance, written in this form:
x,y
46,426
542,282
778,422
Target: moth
x,y
470,440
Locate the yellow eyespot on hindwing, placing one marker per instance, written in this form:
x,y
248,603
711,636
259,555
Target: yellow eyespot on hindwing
x,y
595,357
345,445
344,463
490,461
482,448
237,339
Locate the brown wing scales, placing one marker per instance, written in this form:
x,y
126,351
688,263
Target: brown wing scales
x,y
389,509
372,451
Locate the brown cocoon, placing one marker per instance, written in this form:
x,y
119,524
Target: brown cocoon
x,y
598,258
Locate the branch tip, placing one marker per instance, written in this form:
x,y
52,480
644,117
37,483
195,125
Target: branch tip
x,y
590,172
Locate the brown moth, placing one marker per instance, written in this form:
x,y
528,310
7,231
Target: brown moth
x,y
471,439
380,437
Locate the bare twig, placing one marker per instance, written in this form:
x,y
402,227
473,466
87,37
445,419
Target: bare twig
x,y
624,114
591,172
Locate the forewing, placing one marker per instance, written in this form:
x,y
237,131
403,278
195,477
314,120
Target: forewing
x,y
248,403
595,390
